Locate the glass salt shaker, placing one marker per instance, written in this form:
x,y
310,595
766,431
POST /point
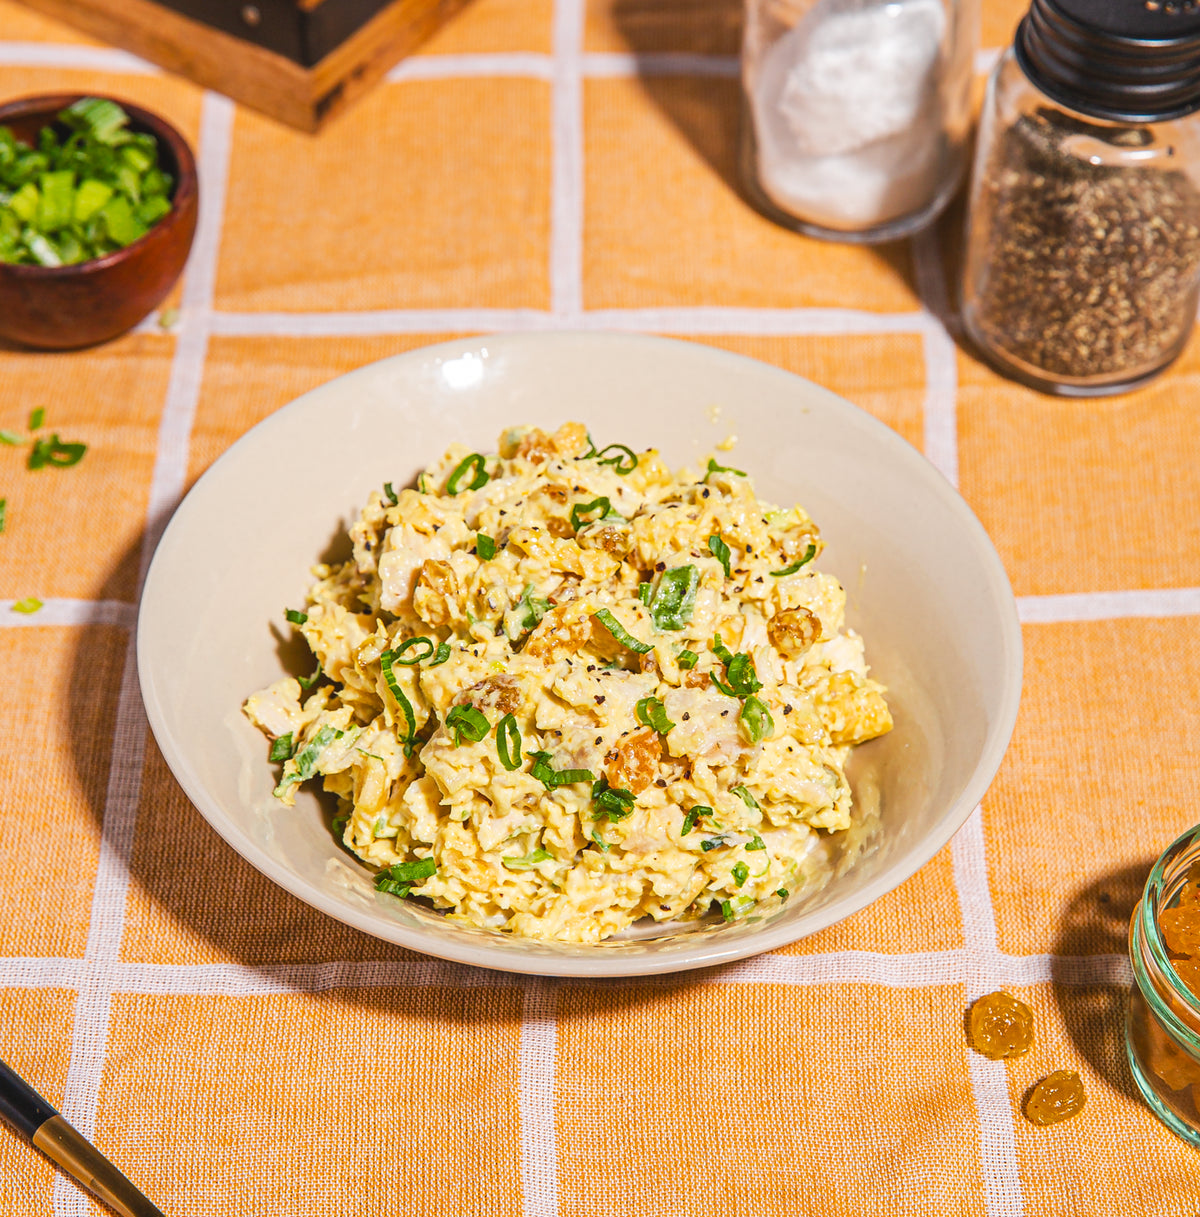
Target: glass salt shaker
x,y
856,112
1082,268
1162,1026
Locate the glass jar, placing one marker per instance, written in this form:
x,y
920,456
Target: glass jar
x,y
856,112
1162,1027
1082,268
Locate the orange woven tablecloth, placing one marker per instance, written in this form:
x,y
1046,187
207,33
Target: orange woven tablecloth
x,y
556,163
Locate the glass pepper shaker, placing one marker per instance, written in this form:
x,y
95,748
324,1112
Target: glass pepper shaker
x,y
856,112
1082,268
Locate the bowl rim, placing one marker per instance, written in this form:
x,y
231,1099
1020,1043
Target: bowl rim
x,y
184,195
710,950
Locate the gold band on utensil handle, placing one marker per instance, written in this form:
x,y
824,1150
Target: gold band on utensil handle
x,y
84,1162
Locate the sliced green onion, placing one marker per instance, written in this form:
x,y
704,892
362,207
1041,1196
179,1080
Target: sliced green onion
x,y
600,841
739,671
756,844
711,843
36,418
306,759
732,909
479,477
30,604
720,551
809,554
589,513
713,467
443,653
674,600
11,438
652,713
485,546
782,893
408,643
618,462
689,820
401,877
283,747
3,513
508,743
756,719
550,778
390,494
611,801
54,452
687,660
99,117
741,872
295,616
746,797
385,664
644,592
620,633
307,682
466,722
529,860
525,614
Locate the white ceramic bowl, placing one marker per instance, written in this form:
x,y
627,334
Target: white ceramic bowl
x,y
925,588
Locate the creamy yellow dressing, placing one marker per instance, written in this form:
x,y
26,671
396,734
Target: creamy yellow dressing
x,y
682,730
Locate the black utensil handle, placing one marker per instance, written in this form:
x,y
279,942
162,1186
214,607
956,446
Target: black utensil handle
x,y
21,1105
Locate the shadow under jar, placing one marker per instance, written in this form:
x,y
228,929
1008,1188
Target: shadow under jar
x,y
1162,1030
1082,272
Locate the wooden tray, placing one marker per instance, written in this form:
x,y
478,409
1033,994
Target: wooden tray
x,y
300,61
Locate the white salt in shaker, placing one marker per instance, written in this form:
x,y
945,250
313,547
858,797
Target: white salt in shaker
x,y
856,111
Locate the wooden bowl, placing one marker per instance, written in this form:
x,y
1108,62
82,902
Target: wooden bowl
x,y
63,307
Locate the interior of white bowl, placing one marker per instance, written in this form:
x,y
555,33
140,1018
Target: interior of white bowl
x,y
925,588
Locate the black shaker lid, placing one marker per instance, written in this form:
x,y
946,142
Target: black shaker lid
x,y
1124,60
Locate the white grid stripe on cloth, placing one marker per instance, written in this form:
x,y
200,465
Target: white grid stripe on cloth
x,y
979,965
90,1035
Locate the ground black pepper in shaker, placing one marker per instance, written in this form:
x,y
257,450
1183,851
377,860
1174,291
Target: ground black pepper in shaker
x,y
1082,273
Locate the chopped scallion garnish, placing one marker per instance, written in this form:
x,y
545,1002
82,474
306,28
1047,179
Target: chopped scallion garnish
x,y
652,713
485,546
756,844
307,682
550,778
443,653
283,747
611,801
746,797
508,743
478,478
756,719
36,418
713,467
620,633
741,872
674,599
589,513
385,664
3,513
401,877
295,616
54,451
687,660
624,462
390,494
466,722
809,554
720,551
529,860
689,820
306,759
408,644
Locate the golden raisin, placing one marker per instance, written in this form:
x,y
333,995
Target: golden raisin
x,y
1180,928
1000,1026
1057,1097
794,630
633,763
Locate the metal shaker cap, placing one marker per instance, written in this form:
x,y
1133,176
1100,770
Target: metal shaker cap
x,y
1122,60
